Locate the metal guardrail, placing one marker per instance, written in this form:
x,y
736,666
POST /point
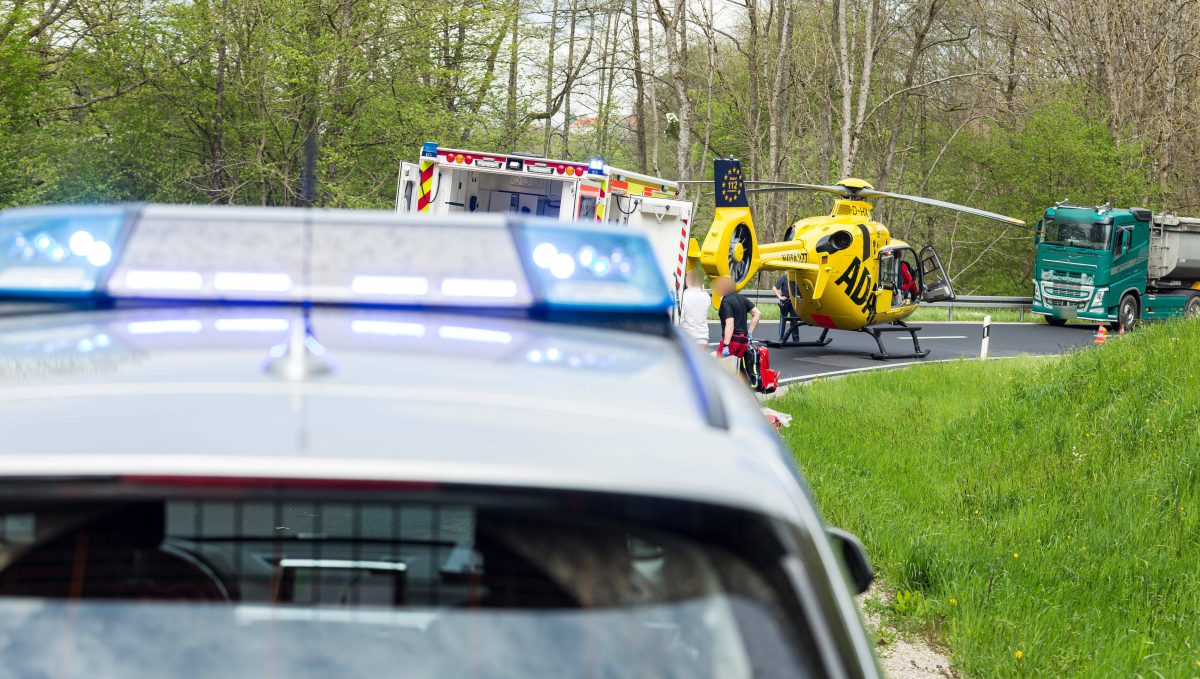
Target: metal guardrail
x,y
962,302
1022,304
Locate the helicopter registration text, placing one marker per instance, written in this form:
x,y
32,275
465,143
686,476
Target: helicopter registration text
x,y
846,208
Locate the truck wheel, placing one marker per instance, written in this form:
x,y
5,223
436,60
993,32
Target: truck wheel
x,y
1056,321
1128,312
1193,307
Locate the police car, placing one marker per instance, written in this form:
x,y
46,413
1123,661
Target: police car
x,y
284,442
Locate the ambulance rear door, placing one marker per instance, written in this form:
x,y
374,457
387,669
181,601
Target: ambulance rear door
x,y
406,187
587,201
667,223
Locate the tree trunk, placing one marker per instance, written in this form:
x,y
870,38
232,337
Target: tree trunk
x,y
512,122
566,135
607,58
639,85
910,74
683,151
654,131
775,111
843,62
217,141
752,94
547,125
864,82
674,24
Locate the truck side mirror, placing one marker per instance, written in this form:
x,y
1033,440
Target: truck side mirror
x,y
1037,232
854,556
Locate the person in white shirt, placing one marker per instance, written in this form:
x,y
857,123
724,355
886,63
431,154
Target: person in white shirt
x,y
693,314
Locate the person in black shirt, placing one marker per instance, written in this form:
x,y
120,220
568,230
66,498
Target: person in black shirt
x,y
736,329
785,290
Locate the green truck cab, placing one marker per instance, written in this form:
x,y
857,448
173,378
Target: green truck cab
x,y
1115,266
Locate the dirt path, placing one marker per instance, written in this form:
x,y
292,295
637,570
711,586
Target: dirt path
x,y
902,658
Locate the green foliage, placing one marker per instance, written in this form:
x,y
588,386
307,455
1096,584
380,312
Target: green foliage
x,y
213,100
1047,506
1060,149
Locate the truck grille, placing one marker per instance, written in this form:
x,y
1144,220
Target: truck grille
x,y
1067,292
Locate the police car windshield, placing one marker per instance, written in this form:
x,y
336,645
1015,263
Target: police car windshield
x,y
463,586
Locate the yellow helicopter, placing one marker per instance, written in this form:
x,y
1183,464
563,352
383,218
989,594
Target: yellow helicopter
x,y
845,270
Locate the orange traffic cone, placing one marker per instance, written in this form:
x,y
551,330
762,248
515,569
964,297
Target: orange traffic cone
x,y
1101,335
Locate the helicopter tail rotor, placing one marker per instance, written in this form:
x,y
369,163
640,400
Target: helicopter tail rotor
x,y
731,246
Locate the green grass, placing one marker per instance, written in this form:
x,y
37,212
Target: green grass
x,y
1049,507
967,314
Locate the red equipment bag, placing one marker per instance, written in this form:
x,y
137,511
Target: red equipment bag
x,y
756,366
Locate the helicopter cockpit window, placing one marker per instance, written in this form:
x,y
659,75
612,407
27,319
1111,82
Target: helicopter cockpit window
x,y
887,270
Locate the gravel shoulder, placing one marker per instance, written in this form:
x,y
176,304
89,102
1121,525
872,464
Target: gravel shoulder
x,y
902,656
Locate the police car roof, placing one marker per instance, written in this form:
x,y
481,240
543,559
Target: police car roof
x,y
345,344
444,397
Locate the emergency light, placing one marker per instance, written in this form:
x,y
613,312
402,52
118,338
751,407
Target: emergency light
x,y
296,255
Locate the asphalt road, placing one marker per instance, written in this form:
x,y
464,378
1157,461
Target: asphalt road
x,y
852,350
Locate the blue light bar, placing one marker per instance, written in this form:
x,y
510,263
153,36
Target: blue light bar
x,y
588,269
429,149
57,251
358,257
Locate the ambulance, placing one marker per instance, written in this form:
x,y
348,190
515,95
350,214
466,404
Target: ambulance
x,y
451,181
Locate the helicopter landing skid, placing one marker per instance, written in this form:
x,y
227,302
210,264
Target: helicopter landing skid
x,y
898,326
789,328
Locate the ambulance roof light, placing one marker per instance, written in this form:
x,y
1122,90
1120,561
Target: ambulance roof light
x,y
596,166
429,149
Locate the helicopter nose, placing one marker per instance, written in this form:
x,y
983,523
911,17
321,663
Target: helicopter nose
x,y
739,252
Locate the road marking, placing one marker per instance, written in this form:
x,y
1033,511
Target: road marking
x,y
924,337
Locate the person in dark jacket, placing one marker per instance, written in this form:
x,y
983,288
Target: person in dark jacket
x,y
785,290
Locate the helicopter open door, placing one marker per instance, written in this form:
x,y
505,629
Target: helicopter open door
x,y
937,286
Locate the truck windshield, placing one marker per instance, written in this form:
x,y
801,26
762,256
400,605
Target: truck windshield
x,y
1087,235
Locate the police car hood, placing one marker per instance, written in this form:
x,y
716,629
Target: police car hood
x,y
272,392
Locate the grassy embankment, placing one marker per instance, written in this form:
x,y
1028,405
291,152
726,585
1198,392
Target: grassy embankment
x,y
1038,517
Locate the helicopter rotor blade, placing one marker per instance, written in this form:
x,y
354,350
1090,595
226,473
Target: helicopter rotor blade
x,y
872,193
865,193
841,191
